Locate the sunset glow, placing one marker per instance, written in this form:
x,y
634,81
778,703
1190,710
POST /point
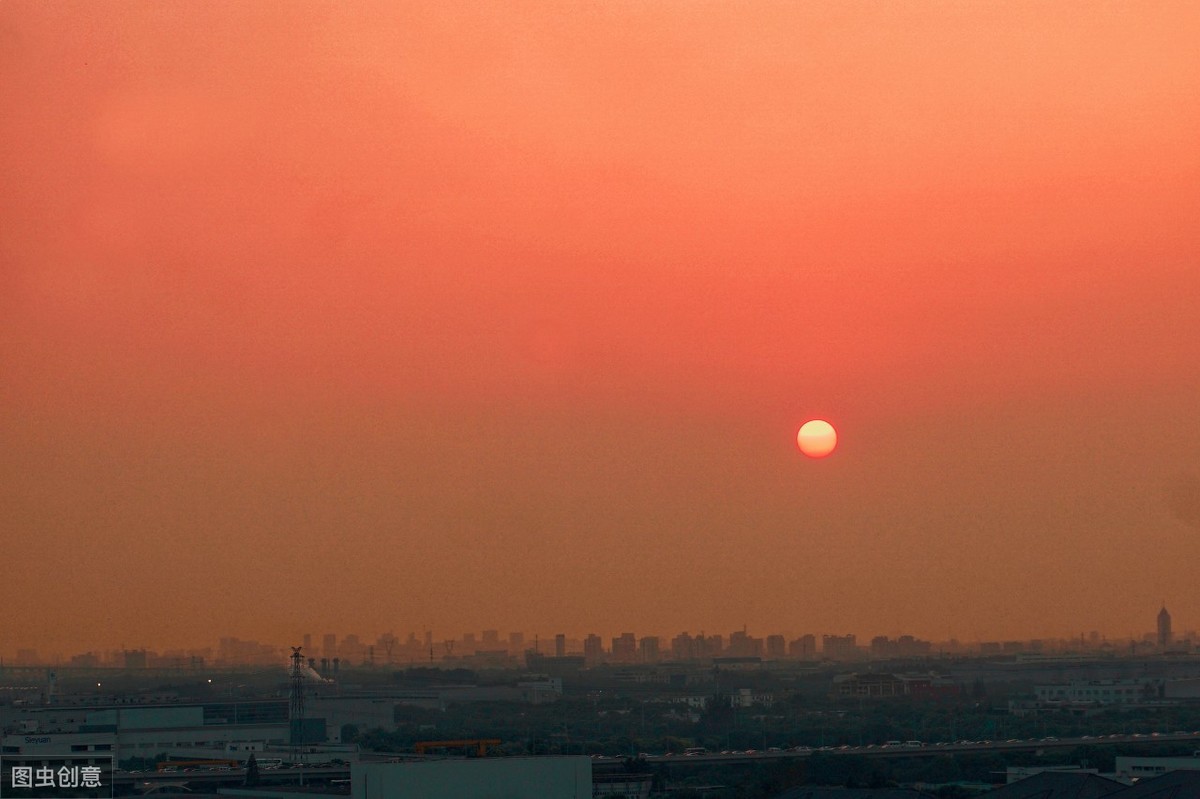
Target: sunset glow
x,y
400,316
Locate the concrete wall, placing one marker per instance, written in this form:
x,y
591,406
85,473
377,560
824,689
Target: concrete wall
x,y
476,778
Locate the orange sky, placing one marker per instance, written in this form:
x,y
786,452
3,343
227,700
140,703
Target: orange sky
x,y
360,317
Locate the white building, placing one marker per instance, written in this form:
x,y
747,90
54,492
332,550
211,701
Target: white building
x,y
748,697
1100,692
1141,768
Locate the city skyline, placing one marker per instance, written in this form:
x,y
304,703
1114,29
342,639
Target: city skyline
x,y
324,314
415,643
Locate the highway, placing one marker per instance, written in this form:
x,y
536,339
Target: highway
x,y
924,750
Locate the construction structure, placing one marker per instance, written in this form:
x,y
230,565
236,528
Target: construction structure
x,y
296,708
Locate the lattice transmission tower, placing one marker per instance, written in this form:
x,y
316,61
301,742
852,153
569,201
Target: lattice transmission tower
x,y
296,708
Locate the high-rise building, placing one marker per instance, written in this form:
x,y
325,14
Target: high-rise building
x,y
839,647
1164,628
742,644
624,648
329,645
352,650
649,648
593,648
560,645
804,647
776,647
711,646
683,647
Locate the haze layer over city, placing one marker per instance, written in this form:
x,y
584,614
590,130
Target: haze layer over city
x,y
401,317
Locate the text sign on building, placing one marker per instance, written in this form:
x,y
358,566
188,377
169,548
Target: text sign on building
x,y
22,777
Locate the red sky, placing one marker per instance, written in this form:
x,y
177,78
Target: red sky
x,y
367,317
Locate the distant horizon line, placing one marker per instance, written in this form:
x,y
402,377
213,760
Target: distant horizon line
x,y
19,655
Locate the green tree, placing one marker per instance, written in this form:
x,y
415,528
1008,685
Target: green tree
x,y
251,771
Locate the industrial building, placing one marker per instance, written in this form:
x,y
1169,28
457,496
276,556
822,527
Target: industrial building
x,y
1101,692
476,778
1140,768
124,732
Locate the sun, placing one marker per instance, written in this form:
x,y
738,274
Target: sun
x,y
817,438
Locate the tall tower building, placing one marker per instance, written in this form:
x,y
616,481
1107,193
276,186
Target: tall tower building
x,y
1164,628
593,648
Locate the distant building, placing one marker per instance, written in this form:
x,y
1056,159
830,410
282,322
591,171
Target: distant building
x,y
1164,628
748,697
649,648
1100,692
624,648
776,647
881,686
539,692
839,647
871,686
906,646
683,647
804,647
560,645
741,644
593,649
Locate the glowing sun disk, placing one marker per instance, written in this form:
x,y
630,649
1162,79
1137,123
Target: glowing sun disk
x,y
816,438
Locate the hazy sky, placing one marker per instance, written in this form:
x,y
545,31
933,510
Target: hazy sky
x,y
360,317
